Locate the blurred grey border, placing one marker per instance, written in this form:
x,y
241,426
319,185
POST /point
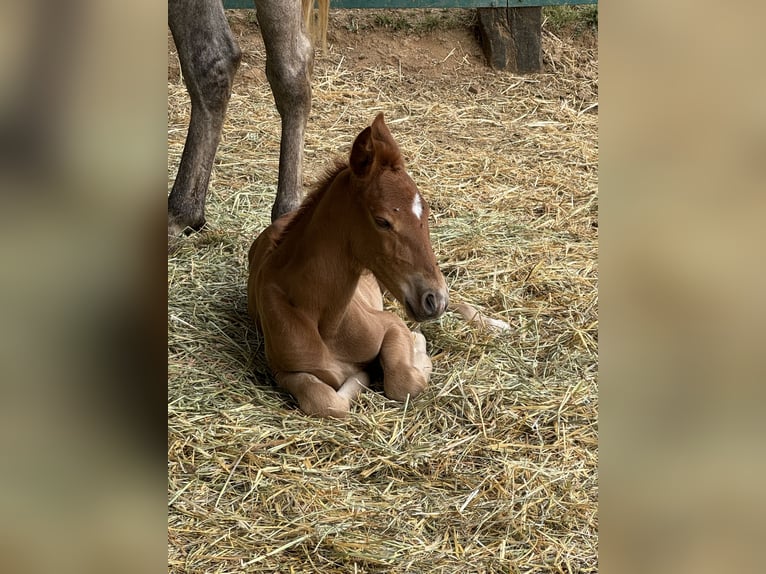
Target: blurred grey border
x,y
83,172
682,260
82,247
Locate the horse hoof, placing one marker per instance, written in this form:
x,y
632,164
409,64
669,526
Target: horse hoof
x,y
415,384
328,404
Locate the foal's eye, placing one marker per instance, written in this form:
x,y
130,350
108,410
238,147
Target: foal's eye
x,y
382,223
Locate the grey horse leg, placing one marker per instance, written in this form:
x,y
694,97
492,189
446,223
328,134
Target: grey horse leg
x,y
289,63
209,58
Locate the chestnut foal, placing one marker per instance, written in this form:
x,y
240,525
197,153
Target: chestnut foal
x,y
313,285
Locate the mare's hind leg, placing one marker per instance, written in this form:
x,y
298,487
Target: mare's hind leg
x,y
406,366
209,58
319,399
289,63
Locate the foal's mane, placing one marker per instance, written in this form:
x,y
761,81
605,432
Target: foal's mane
x,y
315,195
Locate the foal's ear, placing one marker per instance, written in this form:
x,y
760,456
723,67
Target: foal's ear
x,y
374,144
380,130
386,148
362,153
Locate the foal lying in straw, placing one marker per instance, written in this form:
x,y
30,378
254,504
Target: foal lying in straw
x,y
313,286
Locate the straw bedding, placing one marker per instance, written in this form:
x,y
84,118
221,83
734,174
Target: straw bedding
x,y
494,468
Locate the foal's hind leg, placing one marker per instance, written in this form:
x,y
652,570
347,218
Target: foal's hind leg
x,y
209,58
319,399
289,62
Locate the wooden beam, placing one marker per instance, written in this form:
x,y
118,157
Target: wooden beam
x,y
511,38
343,4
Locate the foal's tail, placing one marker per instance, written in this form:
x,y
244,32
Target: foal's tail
x,y
474,317
317,29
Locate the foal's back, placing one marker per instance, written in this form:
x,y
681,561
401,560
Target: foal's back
x,y
259,252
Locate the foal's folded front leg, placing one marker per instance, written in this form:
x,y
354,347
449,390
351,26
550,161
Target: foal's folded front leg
x,y
317,398
406,366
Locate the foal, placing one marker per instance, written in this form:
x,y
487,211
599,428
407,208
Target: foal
x,y
313,285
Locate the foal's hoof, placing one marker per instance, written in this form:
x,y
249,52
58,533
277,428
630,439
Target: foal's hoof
x,y
414,384
419,341
338,410
420,358
325,402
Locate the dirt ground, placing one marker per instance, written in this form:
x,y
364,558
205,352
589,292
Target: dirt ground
x,y
435,54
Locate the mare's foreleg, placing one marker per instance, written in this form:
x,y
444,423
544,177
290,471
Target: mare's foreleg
x,y
209,58
289,63
406,365
319,399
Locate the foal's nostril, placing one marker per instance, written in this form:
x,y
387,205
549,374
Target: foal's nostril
x,y
429,303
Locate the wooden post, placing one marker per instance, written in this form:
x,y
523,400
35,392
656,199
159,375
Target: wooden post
x,y
511,37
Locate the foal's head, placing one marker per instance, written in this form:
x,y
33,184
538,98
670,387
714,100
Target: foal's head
x,y
391,236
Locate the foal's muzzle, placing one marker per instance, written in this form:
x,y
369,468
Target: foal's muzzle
x,y
428,305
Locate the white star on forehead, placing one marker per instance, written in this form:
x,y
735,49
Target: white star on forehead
x,y
417,206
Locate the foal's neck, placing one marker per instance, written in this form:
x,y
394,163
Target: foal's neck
x,y
316,250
